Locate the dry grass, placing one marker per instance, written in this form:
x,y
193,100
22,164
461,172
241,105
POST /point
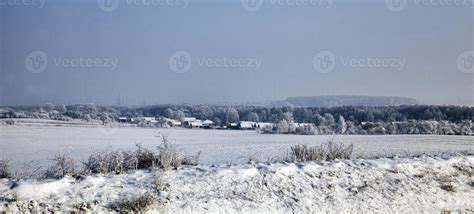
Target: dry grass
x,y
138,204
160,182
328,151
4,168
118,161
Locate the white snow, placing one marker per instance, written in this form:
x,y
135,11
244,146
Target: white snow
x,y
383,185
38,143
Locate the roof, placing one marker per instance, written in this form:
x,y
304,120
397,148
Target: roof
x,y
189,119
246,124
208,122
195,123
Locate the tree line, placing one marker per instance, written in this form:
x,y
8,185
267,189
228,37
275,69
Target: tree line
x,y
410,119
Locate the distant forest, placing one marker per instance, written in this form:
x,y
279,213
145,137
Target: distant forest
x,y
409,119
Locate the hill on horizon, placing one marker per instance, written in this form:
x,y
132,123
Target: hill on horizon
x,y
347,100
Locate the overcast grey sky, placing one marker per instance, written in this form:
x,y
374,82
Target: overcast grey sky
x,y
230,51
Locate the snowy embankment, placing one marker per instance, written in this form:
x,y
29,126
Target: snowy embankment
x,y
384,185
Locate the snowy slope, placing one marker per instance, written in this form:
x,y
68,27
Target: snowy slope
x,y
423,184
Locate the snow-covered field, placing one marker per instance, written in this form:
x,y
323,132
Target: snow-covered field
x,y
26,143
419,185
423,184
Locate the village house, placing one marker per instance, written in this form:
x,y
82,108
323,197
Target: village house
x,y
207,124
149,120
247,125
126,120
192,122
172,122
266,126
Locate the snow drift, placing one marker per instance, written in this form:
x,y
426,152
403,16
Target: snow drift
x,y
384,185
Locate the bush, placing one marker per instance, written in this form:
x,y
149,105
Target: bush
x,y
4,169
63,165
138,204
145,158
169,157
328,151
160,182
111,161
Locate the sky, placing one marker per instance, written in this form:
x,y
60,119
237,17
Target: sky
x,y
143,52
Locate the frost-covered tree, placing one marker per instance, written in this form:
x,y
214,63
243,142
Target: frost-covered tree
x,y
341,125
104,117
217,121
179,115
252,116
232,115
465,127
291,126
282,126
48,107
309,129
63,109
168,113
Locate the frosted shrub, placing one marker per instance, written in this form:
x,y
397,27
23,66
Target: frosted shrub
x,y
111,161
169,157
4,168
62,165
328,151
145,158
138,204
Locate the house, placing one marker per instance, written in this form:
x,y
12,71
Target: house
x,y
233,126
149,119
193,124
189,119
207,124
264,125
125,120
247,125
173,122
